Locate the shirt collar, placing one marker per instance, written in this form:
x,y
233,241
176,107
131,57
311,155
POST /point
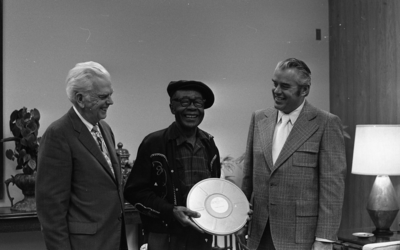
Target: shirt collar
x,y
176,134
87,124
292,115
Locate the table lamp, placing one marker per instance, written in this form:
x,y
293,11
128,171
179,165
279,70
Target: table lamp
x,y
377,152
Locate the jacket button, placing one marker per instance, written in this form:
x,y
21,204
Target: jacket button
x,y
172,171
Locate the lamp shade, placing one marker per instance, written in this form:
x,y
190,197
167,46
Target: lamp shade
x,y
376,150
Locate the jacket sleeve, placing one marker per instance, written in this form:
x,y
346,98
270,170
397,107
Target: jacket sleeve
x,y
332,173
53,188
139,188
215,161
247,183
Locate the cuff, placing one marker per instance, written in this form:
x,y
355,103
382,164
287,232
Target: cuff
x,y
323,240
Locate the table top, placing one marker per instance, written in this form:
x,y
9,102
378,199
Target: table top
x,y
347,236
7,214
12,221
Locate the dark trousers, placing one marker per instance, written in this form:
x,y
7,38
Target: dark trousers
x,y
190,240
266,242
123,245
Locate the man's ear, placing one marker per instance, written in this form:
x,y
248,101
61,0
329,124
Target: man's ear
x,y
305,90
171,107
79,100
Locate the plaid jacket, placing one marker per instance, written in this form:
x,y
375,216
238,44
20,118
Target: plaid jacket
x,y
302,194
153,186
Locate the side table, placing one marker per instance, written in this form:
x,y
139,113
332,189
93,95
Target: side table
x,y
11,221
348,241
18,221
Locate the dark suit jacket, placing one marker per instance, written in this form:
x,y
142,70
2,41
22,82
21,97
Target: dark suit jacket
x,y
302,194
79,203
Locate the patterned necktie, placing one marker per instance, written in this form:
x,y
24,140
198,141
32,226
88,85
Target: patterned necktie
x,y
102,145
281,135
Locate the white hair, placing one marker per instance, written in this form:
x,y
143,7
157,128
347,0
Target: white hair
x,y
80,79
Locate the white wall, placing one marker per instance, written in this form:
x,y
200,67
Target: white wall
x,y
232,45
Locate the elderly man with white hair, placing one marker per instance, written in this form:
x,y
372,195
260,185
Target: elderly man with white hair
x,y
79,195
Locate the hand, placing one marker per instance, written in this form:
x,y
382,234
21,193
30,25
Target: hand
x,y
320,245
250,213
241,237
183,214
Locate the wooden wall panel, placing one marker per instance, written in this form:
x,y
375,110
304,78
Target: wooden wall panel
x,y
1,103
364,83
397,7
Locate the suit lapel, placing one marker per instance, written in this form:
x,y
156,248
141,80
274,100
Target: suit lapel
x,y
86,138
267,127
303,128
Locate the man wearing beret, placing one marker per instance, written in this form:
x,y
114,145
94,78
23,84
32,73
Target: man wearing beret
x,y
169,163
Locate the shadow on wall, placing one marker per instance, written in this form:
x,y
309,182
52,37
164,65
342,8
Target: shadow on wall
x,y
232,169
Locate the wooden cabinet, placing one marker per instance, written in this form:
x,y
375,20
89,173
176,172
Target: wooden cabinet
x,y
28,221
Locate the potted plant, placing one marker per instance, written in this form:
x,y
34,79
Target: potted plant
x,y
24,126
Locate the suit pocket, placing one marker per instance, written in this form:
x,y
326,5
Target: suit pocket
x,y
82,227
306,155
306,221
83,235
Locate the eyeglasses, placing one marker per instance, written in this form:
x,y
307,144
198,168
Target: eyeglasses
x,y
185,102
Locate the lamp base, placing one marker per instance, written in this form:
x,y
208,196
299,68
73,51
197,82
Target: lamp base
x,y
382,205
382,221
382,232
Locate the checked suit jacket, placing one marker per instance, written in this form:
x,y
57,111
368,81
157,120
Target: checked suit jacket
x,y
302,193
79,203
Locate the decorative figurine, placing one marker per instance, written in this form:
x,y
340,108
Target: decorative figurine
x,y
124,158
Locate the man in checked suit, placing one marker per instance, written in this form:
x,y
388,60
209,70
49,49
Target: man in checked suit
x,y
79,195
297,188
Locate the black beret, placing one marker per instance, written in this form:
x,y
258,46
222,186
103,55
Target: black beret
x,y
205,91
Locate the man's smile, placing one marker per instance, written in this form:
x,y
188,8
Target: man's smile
x,y
279,98
191,116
